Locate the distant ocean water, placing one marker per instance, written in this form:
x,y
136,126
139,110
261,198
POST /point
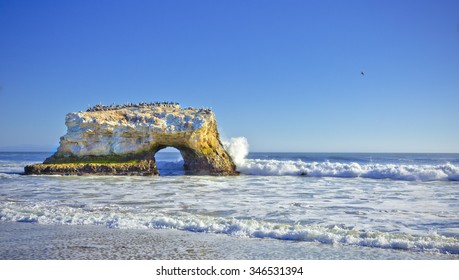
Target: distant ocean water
x,y
405,202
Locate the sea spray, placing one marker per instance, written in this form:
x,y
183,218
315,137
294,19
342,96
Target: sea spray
x,y
238,148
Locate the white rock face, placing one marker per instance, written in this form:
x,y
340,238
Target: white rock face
x,y
129,130
124,140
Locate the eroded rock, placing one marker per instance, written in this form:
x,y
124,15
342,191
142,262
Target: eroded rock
x,y
117,135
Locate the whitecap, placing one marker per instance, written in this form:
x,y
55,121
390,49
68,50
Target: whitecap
x,y
112,216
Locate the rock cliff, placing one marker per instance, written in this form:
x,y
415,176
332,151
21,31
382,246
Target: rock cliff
x,y
124,140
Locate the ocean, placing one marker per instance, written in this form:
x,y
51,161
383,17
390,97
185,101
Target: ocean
x,y
283,205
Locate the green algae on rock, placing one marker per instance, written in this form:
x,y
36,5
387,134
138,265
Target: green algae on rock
x,y
123,140
143,167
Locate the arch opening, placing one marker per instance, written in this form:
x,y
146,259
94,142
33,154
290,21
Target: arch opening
x,y
169,161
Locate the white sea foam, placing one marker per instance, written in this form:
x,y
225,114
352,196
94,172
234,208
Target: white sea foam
x,y
238,148
415,216
350,170
13,167
9,175
124,217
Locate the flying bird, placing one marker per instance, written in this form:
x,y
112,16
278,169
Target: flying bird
x,y
361,73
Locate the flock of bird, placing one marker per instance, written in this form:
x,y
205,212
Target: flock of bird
x,y
100,107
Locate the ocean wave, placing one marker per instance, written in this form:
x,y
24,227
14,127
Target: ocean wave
x,y
238,148
350,170
10,167
113,216
9,175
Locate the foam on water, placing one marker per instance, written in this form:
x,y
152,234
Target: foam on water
x,y
125,217
350,170
238,148
10,167
415,210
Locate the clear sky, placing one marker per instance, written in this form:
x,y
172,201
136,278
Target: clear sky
x,y
284,74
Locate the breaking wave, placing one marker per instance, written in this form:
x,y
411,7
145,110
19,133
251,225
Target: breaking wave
x,y
124,217
238,148
351,170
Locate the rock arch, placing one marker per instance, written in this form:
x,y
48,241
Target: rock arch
x,y
195,162
112,139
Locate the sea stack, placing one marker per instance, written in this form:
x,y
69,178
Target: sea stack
x,y
123,140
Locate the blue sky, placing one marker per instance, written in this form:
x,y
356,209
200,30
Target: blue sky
x,y
283,74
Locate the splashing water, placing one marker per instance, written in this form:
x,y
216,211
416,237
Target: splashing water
x,y
238,148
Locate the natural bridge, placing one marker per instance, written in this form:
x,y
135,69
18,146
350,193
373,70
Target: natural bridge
x,y
123,140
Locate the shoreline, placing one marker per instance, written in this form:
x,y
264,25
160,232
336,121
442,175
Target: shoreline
x,y
30,241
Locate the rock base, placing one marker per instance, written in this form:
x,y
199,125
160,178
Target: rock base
x,y
139,168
